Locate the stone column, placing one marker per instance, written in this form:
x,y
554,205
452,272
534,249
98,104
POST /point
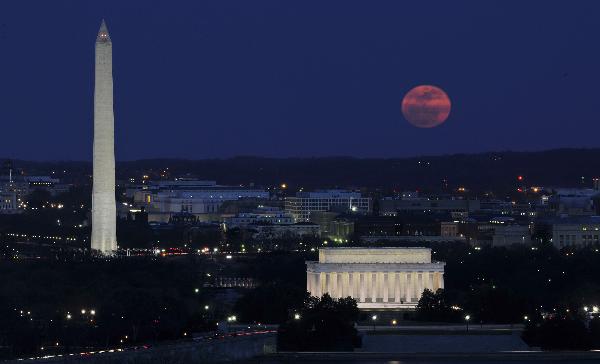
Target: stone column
x,y
321,285
397,288
318,286
431,286
334,285
442,280
386,285
308,282
351,285
368,283
357,286
375,286
409,287
362,281
348,290
379,286
416,287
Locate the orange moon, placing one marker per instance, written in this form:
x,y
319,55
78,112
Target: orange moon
x,y
426,106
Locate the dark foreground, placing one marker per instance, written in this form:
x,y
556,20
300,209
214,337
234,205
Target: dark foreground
x,y
448,358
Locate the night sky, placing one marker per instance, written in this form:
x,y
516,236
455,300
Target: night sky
x,y
201,79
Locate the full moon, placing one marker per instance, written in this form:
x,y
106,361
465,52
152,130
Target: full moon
x,y
426,106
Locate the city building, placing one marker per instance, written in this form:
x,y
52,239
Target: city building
x,y
377,278
576,231
341,230
8,202
411,202
104,207
261,216
573,201
203,199
24,185
506,235
300,229
304,204
450,229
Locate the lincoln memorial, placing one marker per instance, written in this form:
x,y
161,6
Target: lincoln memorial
x,y
377,278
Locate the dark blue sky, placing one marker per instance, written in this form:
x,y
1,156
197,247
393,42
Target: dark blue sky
x,y
197,79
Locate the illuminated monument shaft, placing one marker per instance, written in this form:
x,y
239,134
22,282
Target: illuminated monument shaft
x,y
104,220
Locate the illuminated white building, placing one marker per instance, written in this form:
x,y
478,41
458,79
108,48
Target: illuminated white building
x,y
576,232
163,199
304,203
8,202
377,278
261,216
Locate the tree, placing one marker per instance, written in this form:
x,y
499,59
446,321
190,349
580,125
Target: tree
x,y
559,332
435,307
270,303
323,324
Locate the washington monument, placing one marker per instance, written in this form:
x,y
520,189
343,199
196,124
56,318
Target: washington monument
x,y
104,208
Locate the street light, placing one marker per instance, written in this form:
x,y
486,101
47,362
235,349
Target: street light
x,y
374,318
206,307
296,316
467,318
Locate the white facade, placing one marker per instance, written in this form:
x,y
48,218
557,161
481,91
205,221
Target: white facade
x,y
377,278
458,207
304,203
506,235
278,231
163,199
8,202
260,216
576,233
104,208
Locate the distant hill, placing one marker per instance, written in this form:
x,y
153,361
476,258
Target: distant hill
x,y
477,172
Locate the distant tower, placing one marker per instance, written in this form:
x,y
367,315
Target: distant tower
x,y
104,208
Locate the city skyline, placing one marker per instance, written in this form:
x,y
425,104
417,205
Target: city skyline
x,y
226,83
272,181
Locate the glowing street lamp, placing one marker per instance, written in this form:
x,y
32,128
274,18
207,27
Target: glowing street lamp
x,y
374,318
467,318
296,316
